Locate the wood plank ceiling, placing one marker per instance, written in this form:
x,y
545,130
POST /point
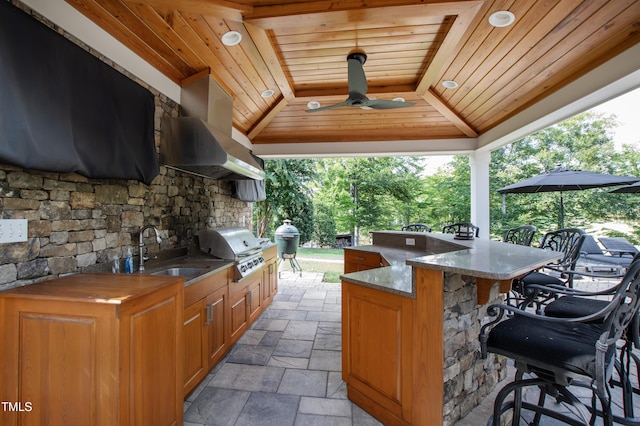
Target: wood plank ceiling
x,y
298,49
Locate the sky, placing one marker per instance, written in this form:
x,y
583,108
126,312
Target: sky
x,y
625,108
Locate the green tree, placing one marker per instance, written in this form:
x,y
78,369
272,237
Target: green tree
x,y
324,227
370,193
287,197
448,193
581,142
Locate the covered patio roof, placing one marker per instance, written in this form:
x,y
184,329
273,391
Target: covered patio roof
x,y
556,60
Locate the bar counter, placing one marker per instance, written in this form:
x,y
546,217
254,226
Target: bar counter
x,y
410,326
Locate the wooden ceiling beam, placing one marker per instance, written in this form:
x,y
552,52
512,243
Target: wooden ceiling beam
x,y
329,12
449,46
219,8
263,44
267,118
435,101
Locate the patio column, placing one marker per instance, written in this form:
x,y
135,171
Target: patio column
x,y
479,163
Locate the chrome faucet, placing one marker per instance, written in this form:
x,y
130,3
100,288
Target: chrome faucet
x,y
141,244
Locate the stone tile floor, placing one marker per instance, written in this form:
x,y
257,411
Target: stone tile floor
x,y
286,370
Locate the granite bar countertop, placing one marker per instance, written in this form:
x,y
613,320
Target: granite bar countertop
x,y
479,258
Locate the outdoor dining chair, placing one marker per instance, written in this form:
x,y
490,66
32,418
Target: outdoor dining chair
x,y
556,353
417,227
461,227
574,303
568,241
521,235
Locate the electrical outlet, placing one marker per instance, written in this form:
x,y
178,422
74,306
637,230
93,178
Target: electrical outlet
x,y
13,230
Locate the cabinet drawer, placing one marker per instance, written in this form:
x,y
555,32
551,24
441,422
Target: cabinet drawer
x,y
362,258
270,253
204,287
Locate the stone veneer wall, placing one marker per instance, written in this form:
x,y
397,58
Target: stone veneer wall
x,y
467,377
78,224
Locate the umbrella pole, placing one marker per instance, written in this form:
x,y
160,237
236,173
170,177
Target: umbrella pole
x,y
561,211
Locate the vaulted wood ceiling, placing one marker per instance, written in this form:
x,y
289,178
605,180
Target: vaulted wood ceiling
x,y
298,49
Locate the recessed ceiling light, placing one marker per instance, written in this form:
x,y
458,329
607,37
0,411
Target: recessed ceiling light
x,y
313,104
450,84
267,93
502,18
398,99
231,38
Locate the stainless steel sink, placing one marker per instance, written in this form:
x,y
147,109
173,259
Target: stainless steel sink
x,y
181,272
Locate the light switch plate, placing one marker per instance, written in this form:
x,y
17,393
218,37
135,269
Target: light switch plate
x,y
13,230
410,241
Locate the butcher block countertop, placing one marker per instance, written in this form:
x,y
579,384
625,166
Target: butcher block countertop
x,y
95,287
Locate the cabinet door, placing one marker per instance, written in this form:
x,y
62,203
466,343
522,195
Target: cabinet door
x,y
57,371
217,337
266,284
273,277
195,359
255,298
155,335
239,315
376,347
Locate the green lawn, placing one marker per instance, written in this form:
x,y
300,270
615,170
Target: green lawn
x,y
328,261
321,253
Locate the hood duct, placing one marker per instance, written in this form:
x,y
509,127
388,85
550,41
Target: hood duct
x,y
201,142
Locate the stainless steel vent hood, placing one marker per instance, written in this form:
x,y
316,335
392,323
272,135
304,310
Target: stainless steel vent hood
x,y
201,142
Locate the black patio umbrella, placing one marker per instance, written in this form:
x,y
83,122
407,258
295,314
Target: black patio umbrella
x,y
562,179
628,189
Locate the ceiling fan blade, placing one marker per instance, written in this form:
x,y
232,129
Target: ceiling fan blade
x,y
358,89
385,104
355,74
338,105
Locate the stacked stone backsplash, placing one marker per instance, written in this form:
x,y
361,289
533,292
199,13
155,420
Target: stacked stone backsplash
x,y
78,224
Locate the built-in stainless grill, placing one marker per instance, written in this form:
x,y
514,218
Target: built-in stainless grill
x,y
237,244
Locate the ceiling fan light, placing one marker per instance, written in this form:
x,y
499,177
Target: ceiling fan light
x,y
267,93
231,38
502,18
313,104
450,84
398,99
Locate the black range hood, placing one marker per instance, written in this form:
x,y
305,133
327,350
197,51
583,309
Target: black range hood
x,y
201,143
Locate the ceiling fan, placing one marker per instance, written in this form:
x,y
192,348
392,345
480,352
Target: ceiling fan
x,y
358,89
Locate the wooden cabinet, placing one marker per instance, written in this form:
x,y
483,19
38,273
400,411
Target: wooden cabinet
x,y
218,311
246,303
270,275
254,293
359,260
392,350
376,352
239,299
206,327
93,349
